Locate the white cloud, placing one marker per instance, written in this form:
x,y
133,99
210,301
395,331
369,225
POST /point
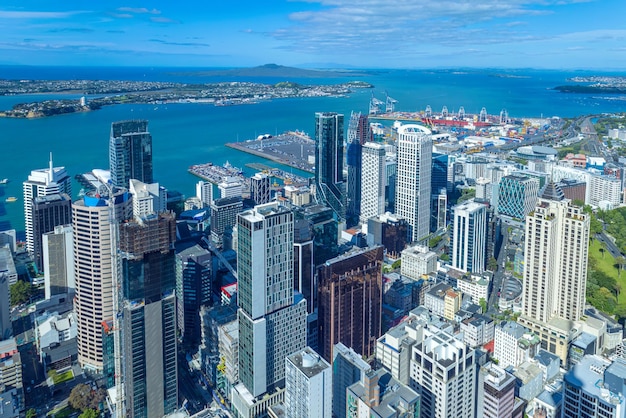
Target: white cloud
x,y
7,14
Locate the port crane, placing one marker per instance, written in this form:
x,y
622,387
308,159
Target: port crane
x,y
375,105
389,103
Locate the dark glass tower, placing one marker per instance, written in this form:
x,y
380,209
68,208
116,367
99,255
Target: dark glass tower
x,y
359,132
329,180
149,318
47,212
130,152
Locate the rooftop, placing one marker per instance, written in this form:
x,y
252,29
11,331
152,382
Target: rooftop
x,y
308,362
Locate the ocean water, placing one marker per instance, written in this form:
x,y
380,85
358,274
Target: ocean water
x,y
187,134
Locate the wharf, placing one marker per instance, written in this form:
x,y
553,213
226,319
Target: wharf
x,y
285,177
293,149
216,173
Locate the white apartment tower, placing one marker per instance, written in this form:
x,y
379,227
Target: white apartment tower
x,y
469,237
147,198
204,192
414,160
372,181
308,385
93,303
272,319
42,182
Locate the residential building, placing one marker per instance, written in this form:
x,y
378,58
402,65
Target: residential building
x,y
496,392
130,152
308,385
350,301
413,182
42,182
329,180
204,192
513,344
58,261
147,198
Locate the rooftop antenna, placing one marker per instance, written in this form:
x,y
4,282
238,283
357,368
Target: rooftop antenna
x,y
51,172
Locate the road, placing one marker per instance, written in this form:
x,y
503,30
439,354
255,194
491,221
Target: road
x,y
609,244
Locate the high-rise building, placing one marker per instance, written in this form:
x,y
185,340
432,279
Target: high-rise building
x,y
130,152
555,269
43,182
149,318
496,392
372,181
350,301
58,261
224,216
147,198
388,230
193,289
204,192
324,229
91,219
272,318
469,237
308,385
595,387
413,183
359,132
443,373
348,368
304,277
517,195
260,188
6,328
329,181
48,212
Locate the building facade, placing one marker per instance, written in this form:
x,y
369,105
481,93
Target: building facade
x,y
329,180
517,195
359,132
372,181
58,261
48,212
469,237
308,385
130,152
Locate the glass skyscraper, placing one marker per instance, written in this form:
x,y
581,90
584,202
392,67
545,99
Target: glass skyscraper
x,y
329,180
130,152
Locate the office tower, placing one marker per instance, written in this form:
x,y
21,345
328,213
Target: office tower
x,y
224,217
48,212
149,319
260,188
555,269
443,373
58,261
91,219
414,162
595,388
147,198
324,229
130,152
272,318
388,230
359,132
391,169
308,385
372,181
304,276
230,187
348,368
438,188
193,289
469,237
43,182
441,215
9,237
517,195
6,328
496,392
350,301
329,181
204,192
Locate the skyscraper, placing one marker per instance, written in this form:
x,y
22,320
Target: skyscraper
x,y
93,304
43,182
348,368
517,195
149,319
359,132
413,182
350,302
204,192
308,385
48,212
58,261
329,181
260,189
130,152
272,319
372,181
224,217
555,269
469,237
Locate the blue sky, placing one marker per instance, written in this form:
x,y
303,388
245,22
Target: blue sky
x,y
358,33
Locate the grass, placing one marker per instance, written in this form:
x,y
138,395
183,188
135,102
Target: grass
x,y
58,378
65,412
606,264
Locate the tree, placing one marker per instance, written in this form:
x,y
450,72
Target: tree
x,y
396,264
620,261
483,304
31,413
492,264
89,413
20,292
83,397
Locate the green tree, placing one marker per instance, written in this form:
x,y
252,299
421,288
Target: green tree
x,y
83,397
619,262
483,304
396,264
444,257
31,413
492,264
20,292
89,413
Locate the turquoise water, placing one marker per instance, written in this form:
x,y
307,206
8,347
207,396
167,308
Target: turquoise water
x,y
186,134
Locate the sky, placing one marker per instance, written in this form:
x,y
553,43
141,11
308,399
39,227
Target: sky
x,y
558,34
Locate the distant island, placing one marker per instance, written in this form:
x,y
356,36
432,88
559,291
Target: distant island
x,y
274,70
596,84
145,92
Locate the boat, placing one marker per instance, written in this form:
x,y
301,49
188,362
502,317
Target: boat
x,y
4,181
11,199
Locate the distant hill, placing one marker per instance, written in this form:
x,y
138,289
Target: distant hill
x,y
279,71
